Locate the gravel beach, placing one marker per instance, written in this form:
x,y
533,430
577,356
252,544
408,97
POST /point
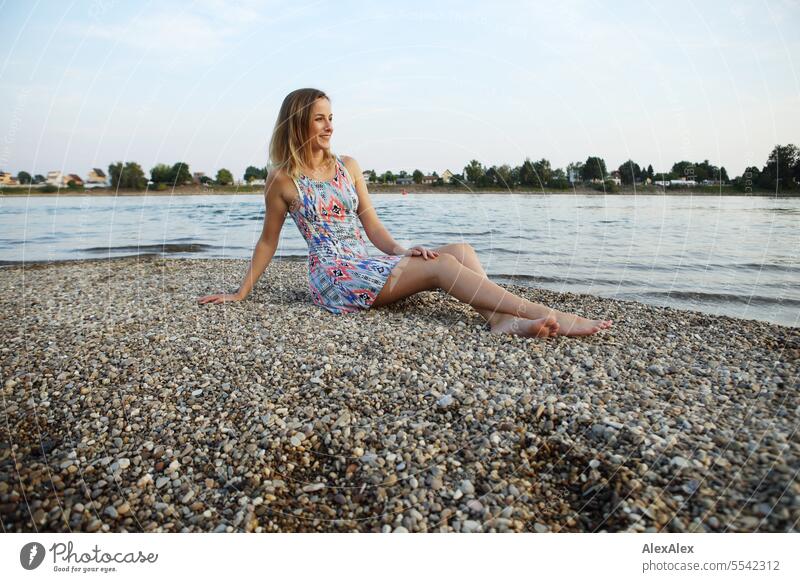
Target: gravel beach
x,y
129,407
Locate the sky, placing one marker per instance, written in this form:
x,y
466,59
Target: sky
x,y
414,85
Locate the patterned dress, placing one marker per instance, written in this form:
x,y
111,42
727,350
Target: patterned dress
x,y
342,277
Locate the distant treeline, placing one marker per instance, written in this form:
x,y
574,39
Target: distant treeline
x,y
781,172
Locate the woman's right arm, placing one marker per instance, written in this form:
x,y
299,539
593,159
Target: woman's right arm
x,y
274,217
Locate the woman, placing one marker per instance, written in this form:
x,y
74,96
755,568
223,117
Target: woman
x,y
325,194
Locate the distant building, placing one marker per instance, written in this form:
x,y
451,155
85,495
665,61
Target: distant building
x,y
367,174
96,177
6,179
429,179
682,182
258,182
404,180
197,177
447,176
573,176
54,178
73,178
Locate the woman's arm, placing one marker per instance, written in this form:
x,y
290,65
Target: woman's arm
x,y
376,232
274,217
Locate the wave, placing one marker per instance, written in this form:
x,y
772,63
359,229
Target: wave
x,y
546,279
702,296
157,248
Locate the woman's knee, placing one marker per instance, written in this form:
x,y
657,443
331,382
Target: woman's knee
x,y
443,268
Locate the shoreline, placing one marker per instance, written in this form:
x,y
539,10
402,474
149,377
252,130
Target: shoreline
x,y
272,414
379,189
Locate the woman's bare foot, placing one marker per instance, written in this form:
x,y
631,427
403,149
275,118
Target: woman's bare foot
x,y
574,325
543,327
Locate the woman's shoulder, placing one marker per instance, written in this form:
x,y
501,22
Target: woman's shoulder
x,y
351,164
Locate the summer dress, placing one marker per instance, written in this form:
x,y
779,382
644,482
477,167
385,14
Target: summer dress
x,y
342,277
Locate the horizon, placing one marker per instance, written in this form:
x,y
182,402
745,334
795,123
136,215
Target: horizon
x,y
88,84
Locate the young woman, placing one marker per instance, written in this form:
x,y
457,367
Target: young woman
x,y
326,196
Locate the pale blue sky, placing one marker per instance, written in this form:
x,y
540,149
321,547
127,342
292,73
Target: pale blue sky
x,y
426,85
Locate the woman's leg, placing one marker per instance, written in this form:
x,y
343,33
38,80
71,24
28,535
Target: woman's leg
x,y
467,256
415,274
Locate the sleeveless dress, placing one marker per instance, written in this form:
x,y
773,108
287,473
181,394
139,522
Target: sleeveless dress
x,y
342,277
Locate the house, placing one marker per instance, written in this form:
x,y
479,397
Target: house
x,y
258,182
54,178
404,180
73,178
429,179
367,175
447,176
682,182
6,179
96,176
197,177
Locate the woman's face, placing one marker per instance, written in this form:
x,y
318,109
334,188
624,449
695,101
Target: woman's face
x,y
321,124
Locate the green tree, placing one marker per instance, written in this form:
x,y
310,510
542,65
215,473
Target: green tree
x,y
630,172
527,175
224,177
161,174
387,177
504,177
594,169
130,175
779,172
24,178
254,173
474,171
180,174
417,176
38,179
650,173
558,180
373,177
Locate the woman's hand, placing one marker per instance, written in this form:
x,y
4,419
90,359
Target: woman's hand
x,y
421,251
220,298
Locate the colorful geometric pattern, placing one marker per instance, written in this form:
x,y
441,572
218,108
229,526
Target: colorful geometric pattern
x,y
342,277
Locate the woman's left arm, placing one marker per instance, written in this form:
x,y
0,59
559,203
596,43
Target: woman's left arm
x,y
376,232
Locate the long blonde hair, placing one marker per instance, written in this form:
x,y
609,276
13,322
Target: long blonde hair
x,y
290,147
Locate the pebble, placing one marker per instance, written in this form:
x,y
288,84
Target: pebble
x,y
141,396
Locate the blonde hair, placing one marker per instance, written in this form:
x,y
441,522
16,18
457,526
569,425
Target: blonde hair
x,y
290,148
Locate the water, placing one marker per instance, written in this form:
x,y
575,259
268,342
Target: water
x,y
734,256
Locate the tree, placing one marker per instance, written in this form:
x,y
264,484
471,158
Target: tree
x,y
418,177
180,174
387,177
373,177
24,178
504,178
224,177
779,172
594,169
161,174
650,173
558,180
253,173
543,173
39,179
128,176
630,172
527,175
474,171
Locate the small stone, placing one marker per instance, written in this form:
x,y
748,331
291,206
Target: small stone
x,y
124,508
188,497
161,481
680,462
445,401
470,526
124,463
400,529
540,527
313,487
467,487
111,512
594,463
